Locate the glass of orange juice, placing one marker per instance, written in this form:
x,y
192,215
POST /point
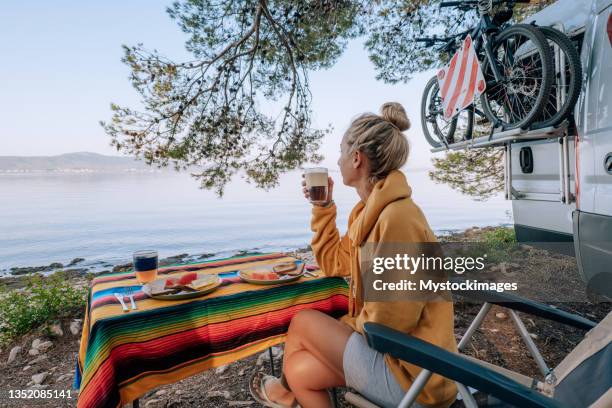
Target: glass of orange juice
x,y
145,265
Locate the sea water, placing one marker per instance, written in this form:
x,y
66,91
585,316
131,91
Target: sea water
x,y
104,218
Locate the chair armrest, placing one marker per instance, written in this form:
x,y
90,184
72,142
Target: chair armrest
x,y
529,306
453,366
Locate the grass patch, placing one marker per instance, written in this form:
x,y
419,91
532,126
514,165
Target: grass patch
x,y
43,300
499,236
499,244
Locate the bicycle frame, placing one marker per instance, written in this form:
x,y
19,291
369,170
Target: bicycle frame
x,y
482,34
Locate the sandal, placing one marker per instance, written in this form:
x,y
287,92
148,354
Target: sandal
x,y
257,388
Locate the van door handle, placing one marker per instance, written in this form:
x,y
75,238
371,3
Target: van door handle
x,y
526,160
608,163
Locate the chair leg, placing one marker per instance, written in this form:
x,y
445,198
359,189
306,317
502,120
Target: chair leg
x,y
474,326
531,346
135,403
466,396
415,389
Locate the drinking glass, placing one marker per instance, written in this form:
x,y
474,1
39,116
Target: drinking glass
x,y
317,184
145,265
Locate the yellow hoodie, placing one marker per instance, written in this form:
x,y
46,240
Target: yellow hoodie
x,y
389,215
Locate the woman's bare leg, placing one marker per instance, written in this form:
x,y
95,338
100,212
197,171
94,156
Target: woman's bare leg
x,y
313,359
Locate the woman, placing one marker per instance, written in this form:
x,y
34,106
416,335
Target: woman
x,y
321,352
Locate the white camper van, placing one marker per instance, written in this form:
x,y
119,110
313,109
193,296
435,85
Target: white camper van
x,y
560,178
561,186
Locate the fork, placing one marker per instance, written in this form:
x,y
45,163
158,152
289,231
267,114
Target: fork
x,y
129,292
119,297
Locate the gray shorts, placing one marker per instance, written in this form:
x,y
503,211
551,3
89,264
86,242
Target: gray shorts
x,y
366,371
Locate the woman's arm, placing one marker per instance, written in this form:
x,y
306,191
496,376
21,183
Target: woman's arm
x,y
330,250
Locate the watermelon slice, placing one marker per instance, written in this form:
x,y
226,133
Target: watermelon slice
x,y
271,276
258,275
187,278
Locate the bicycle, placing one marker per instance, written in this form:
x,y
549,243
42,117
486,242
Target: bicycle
x,y
517,64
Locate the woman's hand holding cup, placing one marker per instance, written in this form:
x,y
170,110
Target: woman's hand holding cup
x,y
317,186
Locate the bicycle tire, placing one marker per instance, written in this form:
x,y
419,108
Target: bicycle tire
x,y
541,47
467,135
436,139
575,78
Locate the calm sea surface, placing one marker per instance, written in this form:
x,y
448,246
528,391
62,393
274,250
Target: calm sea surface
x,y
105,217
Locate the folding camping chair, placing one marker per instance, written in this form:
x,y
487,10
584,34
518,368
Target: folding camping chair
x,y
583,378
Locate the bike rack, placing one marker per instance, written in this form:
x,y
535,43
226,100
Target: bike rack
x,y
508,136
505,139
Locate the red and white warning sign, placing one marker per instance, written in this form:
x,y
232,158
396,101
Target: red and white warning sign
x,y
461,81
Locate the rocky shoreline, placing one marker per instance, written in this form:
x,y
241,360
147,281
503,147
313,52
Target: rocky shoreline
x,y
45,358
81,275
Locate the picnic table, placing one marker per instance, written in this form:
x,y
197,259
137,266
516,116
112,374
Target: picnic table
x,y
123,355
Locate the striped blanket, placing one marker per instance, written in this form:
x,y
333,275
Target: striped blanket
x,y
124,355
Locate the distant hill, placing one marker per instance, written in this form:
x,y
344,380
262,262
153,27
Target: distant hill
x,y
81,162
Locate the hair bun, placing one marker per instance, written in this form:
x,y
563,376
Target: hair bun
x,y
394,112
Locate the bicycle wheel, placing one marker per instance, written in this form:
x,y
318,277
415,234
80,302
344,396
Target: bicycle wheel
x,y
481,126
567,82
523,57
438,131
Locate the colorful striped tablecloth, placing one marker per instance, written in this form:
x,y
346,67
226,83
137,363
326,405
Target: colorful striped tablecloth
x,y
124,355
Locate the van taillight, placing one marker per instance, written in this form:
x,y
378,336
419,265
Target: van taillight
x,y
610,29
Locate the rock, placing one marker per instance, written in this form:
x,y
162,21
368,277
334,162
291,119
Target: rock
x,y
501,316
160,393
13,354
39,387
40,378
217,394
152,402
74,272
221,369
173,260
533,336
179,392
240,403
265,356
37,360
63,377
241,373
36,343
75,327
206,256
33,352
44,346
26,368
35,269
76,261
123,267
55,330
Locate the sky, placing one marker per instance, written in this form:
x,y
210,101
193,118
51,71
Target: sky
x,y
61,68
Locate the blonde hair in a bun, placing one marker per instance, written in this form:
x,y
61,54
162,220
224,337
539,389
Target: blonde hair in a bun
x,y
395,113
381,139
